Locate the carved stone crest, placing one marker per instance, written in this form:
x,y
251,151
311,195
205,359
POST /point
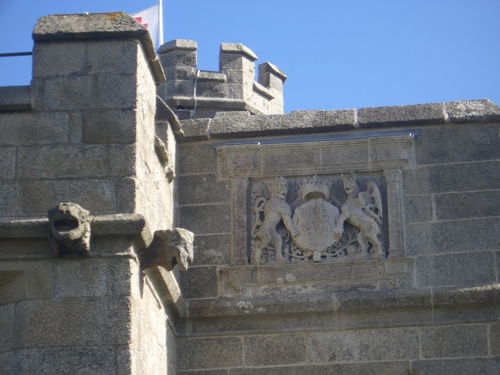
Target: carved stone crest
x,y
311,225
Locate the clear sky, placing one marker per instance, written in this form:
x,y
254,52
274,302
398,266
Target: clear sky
x,y
337,53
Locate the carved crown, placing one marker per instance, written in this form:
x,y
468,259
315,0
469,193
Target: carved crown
x,y
314,188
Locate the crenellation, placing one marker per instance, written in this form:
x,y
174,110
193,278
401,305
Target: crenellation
x,y
234,87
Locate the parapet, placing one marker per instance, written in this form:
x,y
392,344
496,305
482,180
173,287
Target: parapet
x,y
200,93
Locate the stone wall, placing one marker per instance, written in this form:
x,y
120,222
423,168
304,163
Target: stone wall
x,y
85,133
430,306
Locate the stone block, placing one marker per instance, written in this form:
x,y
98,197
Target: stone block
x,y
467,205
419,114
59,59
21,129
463,366
362,345
76,161
467,269
36,197
113,56
457,143
196,158
454,341
179,58
495,339
282,349
100,91
457,177
6,326
77,360
39,323
28,280
418,208
15,98
206,372
212,250
126,191
372,368
212,89
203,188
109,126
452,236
199,282
179,72
209,353
206,219
179,88
9,198
464,111
75,126
20,362
81,278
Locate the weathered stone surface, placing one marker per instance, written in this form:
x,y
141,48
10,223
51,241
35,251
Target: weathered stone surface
x,y
212,250
112,126
48,59
206,372
21,361
363,345
29,128
465,366
15,98
418,208
178,44
372,368
39,323
275,350
6,325
81,278
203,188
7,163
455,269
209,353
467,205
37,196
456,177
9,198
80,162
196,158
455,341
472,111
199,282
113,57
495,339
419,114
104,91
456,143
198,220
80,360
452,236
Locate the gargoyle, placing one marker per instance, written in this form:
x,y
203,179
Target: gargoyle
x,y
168,248
69,229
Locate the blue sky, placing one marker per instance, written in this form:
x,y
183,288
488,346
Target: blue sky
x,y
337,54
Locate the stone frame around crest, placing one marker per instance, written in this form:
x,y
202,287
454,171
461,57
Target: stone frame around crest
x,y
385,154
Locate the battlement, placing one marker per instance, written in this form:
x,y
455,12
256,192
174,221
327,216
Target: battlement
x,y
199,93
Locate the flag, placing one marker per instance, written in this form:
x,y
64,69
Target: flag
x,y
150,20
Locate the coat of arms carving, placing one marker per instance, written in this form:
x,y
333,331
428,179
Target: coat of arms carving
x,y
302,222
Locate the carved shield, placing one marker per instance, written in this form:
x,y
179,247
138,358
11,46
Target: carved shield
x,y
315,220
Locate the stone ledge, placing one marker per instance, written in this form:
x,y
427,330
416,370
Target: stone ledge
x,y
338,302
15,98
101,225
308,122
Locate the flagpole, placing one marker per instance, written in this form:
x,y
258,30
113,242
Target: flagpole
x,y
160,23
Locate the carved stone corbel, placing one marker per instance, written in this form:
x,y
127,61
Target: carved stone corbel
x,y
168,248
69,229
